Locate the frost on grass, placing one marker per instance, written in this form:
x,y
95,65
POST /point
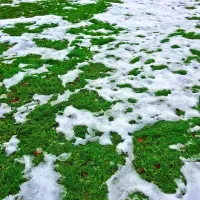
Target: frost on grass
x,y
150,58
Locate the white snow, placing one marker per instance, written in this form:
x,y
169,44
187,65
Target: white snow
x,y
11,146
195,129
191,171
69,76
177,147
20,75
64,156
42,181
153,19
23,111
4,109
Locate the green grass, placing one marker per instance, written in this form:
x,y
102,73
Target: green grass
x,y
58,45
164,92
135,72
131,100
149,61
164,40
154,161
4,47
151,51
175,46
136,90
140,90
89,72
159,67
194,18
135,60
181,72
93,29
195,56
75,15
101,40
89,100
195,88
81,54
83,171
125,85
137,196
21,28
195,52
188,35
190,7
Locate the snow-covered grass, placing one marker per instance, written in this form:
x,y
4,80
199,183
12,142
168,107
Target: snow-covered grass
x,y
99,99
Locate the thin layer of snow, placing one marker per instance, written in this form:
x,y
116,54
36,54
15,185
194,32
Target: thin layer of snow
x,y
11,146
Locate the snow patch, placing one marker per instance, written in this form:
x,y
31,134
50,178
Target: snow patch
x,y
42,181
11,146
4,109
177,147
69,77
23,111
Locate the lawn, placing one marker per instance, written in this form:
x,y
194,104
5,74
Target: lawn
x,y
99,99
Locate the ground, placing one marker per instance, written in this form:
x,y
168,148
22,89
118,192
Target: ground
x,y
99,99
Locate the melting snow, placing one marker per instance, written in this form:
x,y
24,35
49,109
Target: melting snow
x,y
177,146
155,20
20,75
11,146
42,181
4,109
69,77
23,111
